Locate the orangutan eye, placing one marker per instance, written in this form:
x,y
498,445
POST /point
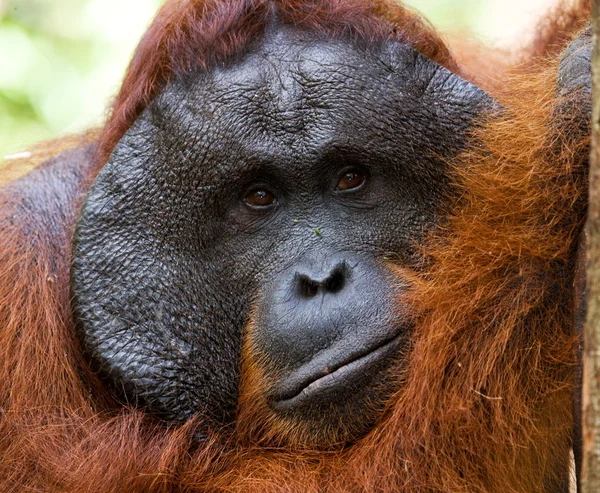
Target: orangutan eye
x,y
351,180
260,198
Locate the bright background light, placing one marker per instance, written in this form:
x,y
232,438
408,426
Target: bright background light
x,y
501,22
62,60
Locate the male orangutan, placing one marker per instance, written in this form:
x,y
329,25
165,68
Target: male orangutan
x,y
312,250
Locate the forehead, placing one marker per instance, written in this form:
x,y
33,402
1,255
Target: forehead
x,y
295,94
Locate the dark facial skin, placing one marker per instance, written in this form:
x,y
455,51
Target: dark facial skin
x,y
286,180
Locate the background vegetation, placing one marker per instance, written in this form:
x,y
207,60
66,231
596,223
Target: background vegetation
x,y
62,60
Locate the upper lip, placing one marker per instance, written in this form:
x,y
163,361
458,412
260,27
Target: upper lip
x,y
315,370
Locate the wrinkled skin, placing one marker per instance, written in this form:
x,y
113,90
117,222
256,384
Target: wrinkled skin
x,y
170,258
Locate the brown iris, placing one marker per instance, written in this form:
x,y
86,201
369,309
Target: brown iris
x,y
260,198
350,180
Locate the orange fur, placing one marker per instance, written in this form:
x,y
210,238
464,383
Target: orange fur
x,y
485,404
191,35
489,67
19,164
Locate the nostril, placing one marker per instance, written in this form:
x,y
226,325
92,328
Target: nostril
x,y
335,283
308,287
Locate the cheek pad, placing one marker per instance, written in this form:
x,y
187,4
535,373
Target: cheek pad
x,y
159,299
144,293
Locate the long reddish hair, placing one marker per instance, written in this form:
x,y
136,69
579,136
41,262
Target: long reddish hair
x,y
485,403
186,36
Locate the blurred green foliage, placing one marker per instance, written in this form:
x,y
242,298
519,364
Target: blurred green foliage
x,y
62,60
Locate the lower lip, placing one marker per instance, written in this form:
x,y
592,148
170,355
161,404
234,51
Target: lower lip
x,y
333,380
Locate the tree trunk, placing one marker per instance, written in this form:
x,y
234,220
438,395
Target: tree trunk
x,y
590,471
